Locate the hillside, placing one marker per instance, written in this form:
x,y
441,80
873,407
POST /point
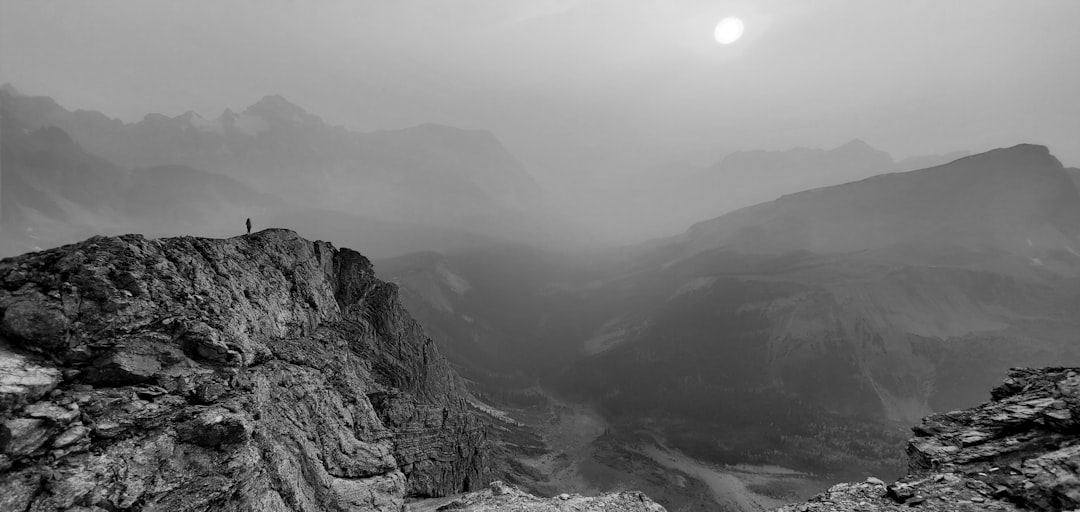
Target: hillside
x,y
1017,200
886,298
263,372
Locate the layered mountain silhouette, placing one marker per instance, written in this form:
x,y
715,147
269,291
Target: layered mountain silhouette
x,y
430,174
1019,201
426,187
676,194
54,192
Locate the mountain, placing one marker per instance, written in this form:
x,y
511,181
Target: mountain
x,y
1018,200
755,176
54,191
882,299
803,333
670,196
429,174
916,162
261,372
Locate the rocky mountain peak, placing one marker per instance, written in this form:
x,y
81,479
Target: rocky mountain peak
x,y
262,372
855,145
1018,156
275,108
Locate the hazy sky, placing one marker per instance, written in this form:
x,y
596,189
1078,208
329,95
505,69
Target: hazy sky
x,y
575,84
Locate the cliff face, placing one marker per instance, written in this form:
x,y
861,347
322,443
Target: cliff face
x,y
1019,451
264,372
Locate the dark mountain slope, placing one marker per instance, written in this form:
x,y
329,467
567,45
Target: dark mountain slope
x,y
1018,200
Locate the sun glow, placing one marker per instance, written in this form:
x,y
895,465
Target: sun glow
x,y
728,30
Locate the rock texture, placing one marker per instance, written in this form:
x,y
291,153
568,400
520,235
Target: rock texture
x,y
500,497
263,372
1020,451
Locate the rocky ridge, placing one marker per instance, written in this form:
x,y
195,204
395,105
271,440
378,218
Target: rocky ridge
x,y
500,497
263,372
1020,451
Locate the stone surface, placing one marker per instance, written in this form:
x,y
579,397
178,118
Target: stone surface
x,y
1020,451
22,381
502,497
263,372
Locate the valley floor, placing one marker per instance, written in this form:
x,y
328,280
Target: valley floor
x,y
587,454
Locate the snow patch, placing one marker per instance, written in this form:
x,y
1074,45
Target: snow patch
x,y
614,332
692,285
456,283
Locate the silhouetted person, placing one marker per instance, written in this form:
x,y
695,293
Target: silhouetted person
x,y
249,225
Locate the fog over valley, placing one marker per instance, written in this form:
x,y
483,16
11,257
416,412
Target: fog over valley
x,y
545,255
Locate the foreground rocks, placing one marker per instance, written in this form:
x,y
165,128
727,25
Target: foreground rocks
x,y
500,497
1020,451
264,372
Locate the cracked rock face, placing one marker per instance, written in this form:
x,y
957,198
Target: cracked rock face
x,y
1020,451
264,372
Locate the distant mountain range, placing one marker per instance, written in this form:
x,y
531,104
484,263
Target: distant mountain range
x,y
278,147
54,191
670,196
1020,201
75,173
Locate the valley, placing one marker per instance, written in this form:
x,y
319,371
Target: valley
x,y
776,336
586,454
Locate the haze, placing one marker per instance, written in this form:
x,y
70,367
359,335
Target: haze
x,y
586,93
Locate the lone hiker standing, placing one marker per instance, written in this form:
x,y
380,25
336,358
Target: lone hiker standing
x,y
249,225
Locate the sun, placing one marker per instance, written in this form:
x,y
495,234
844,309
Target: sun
x,y
728,30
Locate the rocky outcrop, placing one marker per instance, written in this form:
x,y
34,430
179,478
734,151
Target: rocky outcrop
x,y
1020,451
263,372
500,497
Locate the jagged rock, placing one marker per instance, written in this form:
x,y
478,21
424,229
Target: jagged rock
x,y
121,368
214,427
28,323
196,374
1019,451
21,436
71,436
23,381
52,412
502,497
